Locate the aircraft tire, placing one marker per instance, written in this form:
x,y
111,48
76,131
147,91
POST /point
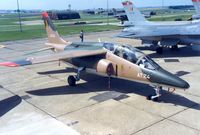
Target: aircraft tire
x,y
71,80
149,97
174,48
155,99
159,50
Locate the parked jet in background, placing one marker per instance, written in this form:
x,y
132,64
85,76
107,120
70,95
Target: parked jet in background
x,y
195,17
159,35
196,4
107,59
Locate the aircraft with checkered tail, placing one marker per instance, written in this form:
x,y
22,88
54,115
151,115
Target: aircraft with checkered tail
x,y
103,58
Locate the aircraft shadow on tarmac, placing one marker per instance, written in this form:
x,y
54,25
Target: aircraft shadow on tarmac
x,y
98,84
8,104
184,51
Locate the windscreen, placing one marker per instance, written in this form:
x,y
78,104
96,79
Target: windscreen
x,y
147,63
131,54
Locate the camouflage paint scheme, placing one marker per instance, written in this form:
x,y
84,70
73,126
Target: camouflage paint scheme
x,y
101,58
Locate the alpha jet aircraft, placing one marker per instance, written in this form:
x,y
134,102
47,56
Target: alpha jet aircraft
x,y
107,59
159,35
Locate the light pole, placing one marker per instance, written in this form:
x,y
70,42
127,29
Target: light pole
x,y
107,12
163,10
19,15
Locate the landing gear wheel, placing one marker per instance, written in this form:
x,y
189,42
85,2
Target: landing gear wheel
x,y
71,80
155,99
150,97
174,48
159,50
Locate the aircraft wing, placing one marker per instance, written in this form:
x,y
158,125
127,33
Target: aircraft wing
x,y
165,38
54,57
126,35
146,35
169,42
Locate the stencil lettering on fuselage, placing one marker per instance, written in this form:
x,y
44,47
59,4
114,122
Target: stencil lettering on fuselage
x,y
142,75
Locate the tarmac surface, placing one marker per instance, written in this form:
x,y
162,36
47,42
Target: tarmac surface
x,y
36,100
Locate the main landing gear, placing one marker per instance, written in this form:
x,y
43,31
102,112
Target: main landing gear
x,y
157,94
159,50
174,48
73,79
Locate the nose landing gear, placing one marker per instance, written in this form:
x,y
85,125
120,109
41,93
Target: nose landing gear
x,y
157,94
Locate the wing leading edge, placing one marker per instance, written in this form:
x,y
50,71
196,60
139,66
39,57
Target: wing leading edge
x,y
53,57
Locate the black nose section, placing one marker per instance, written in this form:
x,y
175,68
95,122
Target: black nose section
x,y
186,85
180,83
164,77
173,80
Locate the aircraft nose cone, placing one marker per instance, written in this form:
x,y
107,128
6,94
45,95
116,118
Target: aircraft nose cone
x,y
181,83
164,77
175,81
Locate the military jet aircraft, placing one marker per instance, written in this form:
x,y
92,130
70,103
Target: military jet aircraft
x,y
196,4
159,35
106,59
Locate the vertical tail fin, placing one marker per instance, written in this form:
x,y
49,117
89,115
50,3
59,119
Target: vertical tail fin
x,y
133,14
196,4
52,33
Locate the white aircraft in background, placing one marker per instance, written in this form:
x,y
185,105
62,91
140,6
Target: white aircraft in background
x,y
196,4
194,17
159,34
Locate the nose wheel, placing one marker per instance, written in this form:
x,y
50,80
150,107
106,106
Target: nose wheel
x,y
157,94
73,79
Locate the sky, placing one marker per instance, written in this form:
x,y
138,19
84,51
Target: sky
x,y
83,4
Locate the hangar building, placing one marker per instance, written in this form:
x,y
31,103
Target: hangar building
x,y
63,15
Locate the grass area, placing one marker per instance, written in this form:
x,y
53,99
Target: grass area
x,y
10,19
39,31
9,29
184,17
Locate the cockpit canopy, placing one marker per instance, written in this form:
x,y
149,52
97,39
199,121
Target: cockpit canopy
x,y
132,54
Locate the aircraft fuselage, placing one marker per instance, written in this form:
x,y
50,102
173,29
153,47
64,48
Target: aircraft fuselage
x,y
130,64
187,34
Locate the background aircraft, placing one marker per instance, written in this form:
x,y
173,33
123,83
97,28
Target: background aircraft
x,y
157,34
194,18
196,4
107,59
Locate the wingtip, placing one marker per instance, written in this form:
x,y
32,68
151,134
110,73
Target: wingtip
x,y
45,15
9,64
